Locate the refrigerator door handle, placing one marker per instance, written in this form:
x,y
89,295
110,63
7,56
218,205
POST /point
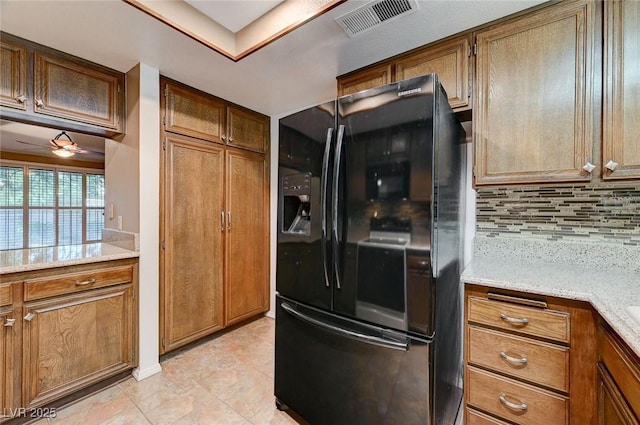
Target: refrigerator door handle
x,y
323,204
368,339
334,209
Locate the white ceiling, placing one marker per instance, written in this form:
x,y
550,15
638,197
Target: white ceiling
x,y
234,14
296,71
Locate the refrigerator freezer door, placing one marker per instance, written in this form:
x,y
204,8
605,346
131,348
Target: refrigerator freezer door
x,y
333,379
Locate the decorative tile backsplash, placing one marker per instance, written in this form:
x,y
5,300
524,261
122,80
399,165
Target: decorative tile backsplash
x,y
602,213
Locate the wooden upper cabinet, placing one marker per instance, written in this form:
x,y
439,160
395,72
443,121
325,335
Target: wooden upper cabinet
x,y
368,78
247,129
66,89
194,114
621,122
533,97
450,60
13,75
247,290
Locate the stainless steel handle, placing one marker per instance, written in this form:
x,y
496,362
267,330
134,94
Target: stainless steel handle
x,y
21,99
222,221
323,204
229,220
369,339
514,320
39,103
334,209
9,323
611,165
514,360
86,282
520,407
29,317
588,167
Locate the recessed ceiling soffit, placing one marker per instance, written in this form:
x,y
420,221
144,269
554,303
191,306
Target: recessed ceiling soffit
x,y
260,26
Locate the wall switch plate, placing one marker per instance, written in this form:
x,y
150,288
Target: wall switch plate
x,y
111,215
119,222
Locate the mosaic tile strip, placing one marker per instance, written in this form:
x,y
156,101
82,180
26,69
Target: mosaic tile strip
x,y
604,213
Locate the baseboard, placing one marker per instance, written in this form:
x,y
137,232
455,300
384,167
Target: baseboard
x,y
140,374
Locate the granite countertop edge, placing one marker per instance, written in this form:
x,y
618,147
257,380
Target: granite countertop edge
x,y
607,290
108,253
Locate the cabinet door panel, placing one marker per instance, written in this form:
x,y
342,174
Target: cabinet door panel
x,y
65,89
247,130
247,236
366,79
7,362
614,409
450,60
13,75
533,97
193,256
72,342
622,89
190,113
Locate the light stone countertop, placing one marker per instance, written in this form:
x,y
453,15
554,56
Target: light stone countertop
x,y
20,260
563,271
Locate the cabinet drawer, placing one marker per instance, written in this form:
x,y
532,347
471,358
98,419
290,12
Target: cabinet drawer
x,y
538,362
486,390
74,282
527,320
477,418
624,369
5,295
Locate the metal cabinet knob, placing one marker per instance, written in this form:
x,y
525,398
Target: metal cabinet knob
x,y
39,103
611,165
21,99
29,317
588,167
9,323
224,138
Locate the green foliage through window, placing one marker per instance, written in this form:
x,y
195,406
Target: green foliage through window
x,y
49,207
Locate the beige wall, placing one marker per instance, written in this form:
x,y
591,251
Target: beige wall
x,y
121,166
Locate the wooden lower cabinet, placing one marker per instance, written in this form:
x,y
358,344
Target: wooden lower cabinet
x,y
529,359
619,385
7,361
64,329
72,341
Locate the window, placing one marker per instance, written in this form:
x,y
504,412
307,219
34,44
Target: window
x,y
42,206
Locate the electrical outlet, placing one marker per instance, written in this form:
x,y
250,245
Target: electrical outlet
x,y
119,222
111,210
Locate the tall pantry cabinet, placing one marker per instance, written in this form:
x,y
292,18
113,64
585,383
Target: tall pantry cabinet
x,y
214,215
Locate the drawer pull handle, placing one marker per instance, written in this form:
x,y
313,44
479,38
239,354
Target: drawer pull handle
x,y
513,360
86,282
514,320
520,407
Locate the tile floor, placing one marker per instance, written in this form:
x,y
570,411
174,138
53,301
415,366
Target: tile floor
x,y
225,380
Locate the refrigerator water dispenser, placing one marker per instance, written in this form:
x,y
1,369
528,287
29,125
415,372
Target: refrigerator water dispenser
x,y
296,204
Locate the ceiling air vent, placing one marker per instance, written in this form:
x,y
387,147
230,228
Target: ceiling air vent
x,y
375,13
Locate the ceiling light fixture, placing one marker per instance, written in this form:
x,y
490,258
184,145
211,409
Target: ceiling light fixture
x,y
63,153
59,146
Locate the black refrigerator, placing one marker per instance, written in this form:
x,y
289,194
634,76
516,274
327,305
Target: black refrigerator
x,y
369,303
